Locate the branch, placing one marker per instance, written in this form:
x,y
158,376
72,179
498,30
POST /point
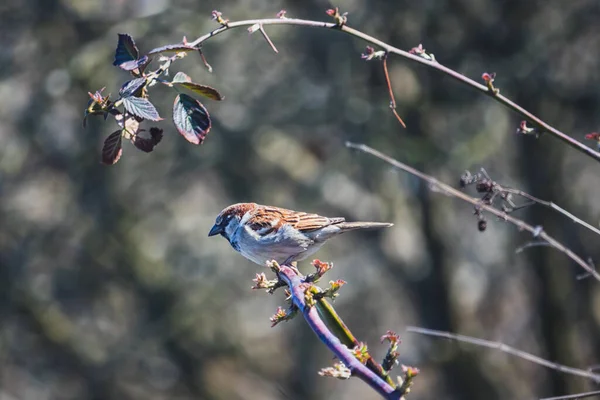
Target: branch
x,y
537,232
540,124
297,288
506,349
574,396
492,190
554,207
345,335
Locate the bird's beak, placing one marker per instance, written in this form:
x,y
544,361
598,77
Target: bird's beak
x,y
215,230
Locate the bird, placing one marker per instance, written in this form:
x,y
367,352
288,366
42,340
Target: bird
x,y
266,233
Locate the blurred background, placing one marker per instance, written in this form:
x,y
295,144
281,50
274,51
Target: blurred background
x,y
111,289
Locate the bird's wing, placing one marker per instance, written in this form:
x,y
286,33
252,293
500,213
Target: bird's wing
x,y
266,219
305,222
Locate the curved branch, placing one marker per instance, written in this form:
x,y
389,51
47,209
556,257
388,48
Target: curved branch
x,y
506,349
311,315
539,123
537,231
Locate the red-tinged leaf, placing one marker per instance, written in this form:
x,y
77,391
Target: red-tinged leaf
x,y
112,149
191,118
202,90
141,107
181,77
173,48
126,50
132,87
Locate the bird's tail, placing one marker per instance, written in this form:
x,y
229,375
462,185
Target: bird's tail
x,y
349,226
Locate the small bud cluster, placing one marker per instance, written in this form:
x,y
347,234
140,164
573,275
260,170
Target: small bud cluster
x,y
218,16
97,105
371,54
340,19
261,282
594,136
282,315
420,51
391,357
361,352
334,287
406,382
489,78
321,268
339,371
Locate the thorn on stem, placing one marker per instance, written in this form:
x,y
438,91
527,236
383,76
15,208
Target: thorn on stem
x,y
267,38
206,64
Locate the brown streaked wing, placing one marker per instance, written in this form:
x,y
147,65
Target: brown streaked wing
x,y
275,217
266,220
305,222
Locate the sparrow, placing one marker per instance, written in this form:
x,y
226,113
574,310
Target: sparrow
x,y
264,233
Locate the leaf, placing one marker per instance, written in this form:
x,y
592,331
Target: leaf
x,y
131,88
141,107
191,118
203,90
181,77
173,48
156,134
183,80
126,50
135,64
112,149
148,144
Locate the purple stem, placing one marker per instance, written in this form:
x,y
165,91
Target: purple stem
x,y
297,288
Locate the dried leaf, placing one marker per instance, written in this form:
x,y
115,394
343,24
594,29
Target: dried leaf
x,y
112,149
191,118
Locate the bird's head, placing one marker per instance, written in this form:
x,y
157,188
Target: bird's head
x,y
229,220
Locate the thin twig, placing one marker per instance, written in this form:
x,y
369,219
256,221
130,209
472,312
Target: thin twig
x,y
506,349
552,206
537,232
311,315
206,64
267,38
540,124
391,91
574,396
532,244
